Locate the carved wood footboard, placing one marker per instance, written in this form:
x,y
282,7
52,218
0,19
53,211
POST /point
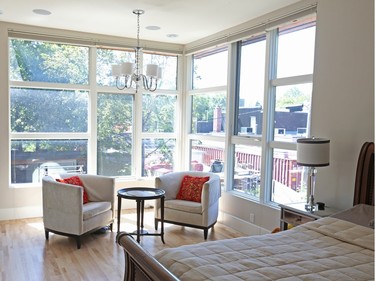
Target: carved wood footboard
x,y
139,264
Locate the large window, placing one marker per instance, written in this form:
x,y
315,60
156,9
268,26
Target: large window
x,y
62,121
48,109
208,98
115,134
291,92
158,134
272,111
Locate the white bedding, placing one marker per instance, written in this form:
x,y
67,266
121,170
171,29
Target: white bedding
x,y
326,249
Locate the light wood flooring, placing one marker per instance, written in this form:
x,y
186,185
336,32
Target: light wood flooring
x,y
25,255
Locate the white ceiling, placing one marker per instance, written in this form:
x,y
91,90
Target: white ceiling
x,y
190,19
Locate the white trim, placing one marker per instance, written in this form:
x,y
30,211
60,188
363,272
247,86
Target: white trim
x,y
240,225
47,85
257,25
21,212
293,80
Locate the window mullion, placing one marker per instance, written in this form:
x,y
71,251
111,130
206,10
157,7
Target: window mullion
x,y
268,113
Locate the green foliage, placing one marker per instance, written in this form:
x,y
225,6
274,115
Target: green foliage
x,y
293,96
48,62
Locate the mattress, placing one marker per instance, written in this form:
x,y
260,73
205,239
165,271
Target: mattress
x,y
325,249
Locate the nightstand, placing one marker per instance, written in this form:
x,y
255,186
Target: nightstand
x,y
295,214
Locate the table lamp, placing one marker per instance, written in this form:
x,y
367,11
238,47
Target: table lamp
x,y
312,153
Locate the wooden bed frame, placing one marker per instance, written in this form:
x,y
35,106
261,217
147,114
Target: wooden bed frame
x,y
141,265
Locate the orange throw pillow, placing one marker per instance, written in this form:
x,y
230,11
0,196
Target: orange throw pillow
x,y
75,180
191,188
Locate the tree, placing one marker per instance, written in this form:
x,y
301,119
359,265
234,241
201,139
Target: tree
x,y
293,96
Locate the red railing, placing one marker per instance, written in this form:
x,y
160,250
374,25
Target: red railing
x,y
284,170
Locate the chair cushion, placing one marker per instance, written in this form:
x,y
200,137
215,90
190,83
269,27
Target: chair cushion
x,y
75,180
183,205
191,188
92,209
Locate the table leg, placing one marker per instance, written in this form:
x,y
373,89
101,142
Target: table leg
x,y
138,219
118,212
162,219
142,212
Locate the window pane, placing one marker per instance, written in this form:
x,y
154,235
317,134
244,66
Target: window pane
x,y
250,105
293,106
208,114
158,113
288,184
39,110
48,62
115,134
207,156
296,50
247,170
210,68
30,158
104,60
169,69
158,156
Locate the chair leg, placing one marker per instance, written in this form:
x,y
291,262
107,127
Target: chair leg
x,y
111,227
156,224
78,239
46,232
205,233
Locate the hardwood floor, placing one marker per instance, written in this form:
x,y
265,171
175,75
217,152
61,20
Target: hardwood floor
x,y
26,255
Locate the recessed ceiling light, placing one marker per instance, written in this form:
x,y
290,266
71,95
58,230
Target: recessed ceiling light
x,y
153,27
41,12
172,35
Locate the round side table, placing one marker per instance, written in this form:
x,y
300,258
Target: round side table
x,y
140,194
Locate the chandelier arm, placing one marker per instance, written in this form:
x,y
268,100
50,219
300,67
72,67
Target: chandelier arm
x,y
153,89
118,78
137,78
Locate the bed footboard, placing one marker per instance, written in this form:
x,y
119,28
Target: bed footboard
x,y
140,264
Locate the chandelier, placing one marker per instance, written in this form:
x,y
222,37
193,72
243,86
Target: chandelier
x,y
128,74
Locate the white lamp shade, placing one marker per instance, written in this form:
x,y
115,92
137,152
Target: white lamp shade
x,y
127,68
116,70
152,70
313,152
160,73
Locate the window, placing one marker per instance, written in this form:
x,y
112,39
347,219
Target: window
x,y
208,99
158,134
104,60
169,69
49,109
208,114
291,93
273,108
115,134
117,154
209,68
251,94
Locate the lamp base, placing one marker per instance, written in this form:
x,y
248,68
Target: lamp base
x,y
311,206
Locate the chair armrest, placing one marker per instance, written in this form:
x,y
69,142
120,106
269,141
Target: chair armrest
x,y
211,191
99,188
62,205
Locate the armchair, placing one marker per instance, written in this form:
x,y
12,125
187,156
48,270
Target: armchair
x,y
202,215
64,212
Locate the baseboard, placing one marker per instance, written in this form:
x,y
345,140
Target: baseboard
x,y
241,225
21,213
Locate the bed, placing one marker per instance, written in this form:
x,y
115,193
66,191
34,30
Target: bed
x,y
340,247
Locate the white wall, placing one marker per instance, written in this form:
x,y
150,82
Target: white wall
x,y
343,104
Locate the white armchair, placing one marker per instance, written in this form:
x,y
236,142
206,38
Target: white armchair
x,y
202,215
64,212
